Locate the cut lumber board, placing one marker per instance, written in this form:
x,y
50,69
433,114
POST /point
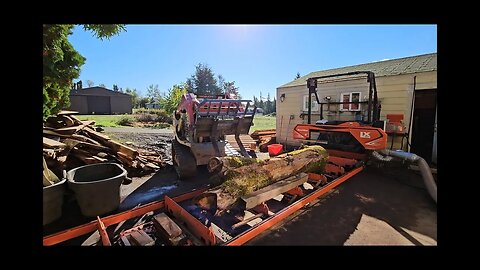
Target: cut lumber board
x,y
52,143
269,192
102,138
67,112
67,121
141,238
169,230
75,119
88,122
69,130
125,159
89,145
118,147
84,139
53,133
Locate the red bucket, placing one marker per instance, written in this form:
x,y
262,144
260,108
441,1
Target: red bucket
x,y
275,149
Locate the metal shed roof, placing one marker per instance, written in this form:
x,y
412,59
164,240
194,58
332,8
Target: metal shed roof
x,y
412,64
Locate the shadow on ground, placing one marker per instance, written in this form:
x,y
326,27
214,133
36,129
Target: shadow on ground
x,y
396,196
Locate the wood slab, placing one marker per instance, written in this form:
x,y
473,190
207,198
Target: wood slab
x,y
52,143
273,190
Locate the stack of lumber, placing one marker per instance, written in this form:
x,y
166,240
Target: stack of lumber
x,y
246,140
264,138
69,142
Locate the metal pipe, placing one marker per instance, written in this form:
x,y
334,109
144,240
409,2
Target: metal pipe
x,y
410,122
423,166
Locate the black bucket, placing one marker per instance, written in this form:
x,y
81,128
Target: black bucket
x,y
97,187
53,201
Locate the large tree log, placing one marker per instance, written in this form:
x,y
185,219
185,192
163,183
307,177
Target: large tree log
x,y
243,176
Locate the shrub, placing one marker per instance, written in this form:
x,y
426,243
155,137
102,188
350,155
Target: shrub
x,y
145,117
125,121
161,115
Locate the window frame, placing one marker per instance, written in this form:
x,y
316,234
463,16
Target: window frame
x,y
350,95
314,104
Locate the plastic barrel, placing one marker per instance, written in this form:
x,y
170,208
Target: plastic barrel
x,y
53,201
97,187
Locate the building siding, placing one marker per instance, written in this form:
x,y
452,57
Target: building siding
x,y
394,92
99,100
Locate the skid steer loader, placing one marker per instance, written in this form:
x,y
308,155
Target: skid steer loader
x,y
200,128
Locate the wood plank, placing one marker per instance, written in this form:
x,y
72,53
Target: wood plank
x,y
53,133
102,138
89,145
141,238
69,130
67,121
118,147
168,229
166,225
75,119
88,122
65,112
262,195
52,143
82,138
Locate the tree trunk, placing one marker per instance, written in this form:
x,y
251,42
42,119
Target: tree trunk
x,y
242,176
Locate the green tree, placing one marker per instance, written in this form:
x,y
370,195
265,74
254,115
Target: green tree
x,y
203,82
153,93
171,101
143,101
115,87
274,105
135,97
268,105
90,83
229,87
297,76
102,85
62,63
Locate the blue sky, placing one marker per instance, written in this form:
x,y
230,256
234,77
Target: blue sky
x,y
257,57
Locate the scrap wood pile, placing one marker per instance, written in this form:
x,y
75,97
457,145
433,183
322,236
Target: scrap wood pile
x,y
264,137
69,142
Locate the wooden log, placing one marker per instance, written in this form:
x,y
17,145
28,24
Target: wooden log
x,y
269,192
243,176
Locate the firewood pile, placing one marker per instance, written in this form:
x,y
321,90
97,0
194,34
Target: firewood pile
x,y
264,137
69,142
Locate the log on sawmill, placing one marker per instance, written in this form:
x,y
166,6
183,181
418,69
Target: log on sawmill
x,y
243,176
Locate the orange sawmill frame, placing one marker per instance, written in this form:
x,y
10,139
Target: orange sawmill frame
x,y
195,226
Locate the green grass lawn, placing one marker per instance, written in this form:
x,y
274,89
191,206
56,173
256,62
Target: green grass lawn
x,y
102,120
263,122
260,122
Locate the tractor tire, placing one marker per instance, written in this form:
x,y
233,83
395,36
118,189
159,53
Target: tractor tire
x,y
183,161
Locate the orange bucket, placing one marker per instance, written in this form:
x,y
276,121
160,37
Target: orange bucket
x,y
275,149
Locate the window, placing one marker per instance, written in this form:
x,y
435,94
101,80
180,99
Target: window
x,y
314,103
350,97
